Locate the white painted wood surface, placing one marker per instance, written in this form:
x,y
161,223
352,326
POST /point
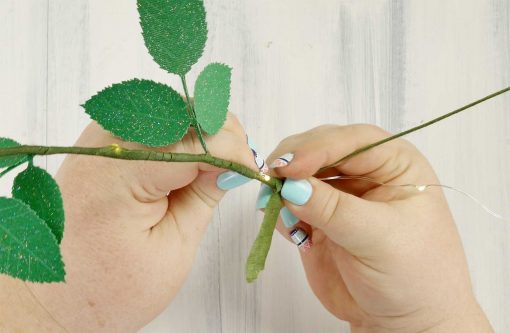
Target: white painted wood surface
x,y
297,64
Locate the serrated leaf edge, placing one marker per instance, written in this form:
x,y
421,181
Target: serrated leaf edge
x,y
53,273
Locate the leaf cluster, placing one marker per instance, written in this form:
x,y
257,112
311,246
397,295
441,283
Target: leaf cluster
x,y
138,110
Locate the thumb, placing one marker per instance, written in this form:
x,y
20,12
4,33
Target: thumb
x,y
352,222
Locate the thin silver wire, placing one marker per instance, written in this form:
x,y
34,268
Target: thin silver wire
x,y
421,188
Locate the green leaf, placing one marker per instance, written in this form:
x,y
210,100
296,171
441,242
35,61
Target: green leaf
x,y
212,95
7,161
28,249
175,32
260,248
142,111
40,191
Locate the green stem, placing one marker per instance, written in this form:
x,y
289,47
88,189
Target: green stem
x,y
435,120
260,248
193,115
117,152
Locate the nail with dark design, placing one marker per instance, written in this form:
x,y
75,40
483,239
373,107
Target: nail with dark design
x,y
301,239
282,161
261,163
259,160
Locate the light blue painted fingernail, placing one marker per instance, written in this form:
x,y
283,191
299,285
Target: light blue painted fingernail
x,y
263,197
297,191
230,179
289,219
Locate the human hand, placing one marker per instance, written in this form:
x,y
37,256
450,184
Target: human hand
x,y
128,247
386,259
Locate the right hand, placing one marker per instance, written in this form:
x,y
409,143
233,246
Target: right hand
x,y
386,259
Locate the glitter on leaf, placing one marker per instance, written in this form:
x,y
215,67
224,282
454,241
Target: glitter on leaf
x,y
40,191
212,95
28,249
174,31
141,111
7,161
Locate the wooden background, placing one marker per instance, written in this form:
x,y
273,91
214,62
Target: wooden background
x,y
297,64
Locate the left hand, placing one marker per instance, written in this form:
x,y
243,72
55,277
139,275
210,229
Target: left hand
x,y
132,231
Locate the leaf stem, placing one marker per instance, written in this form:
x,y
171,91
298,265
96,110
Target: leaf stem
x,y
6,171
117,152
193,115
428,123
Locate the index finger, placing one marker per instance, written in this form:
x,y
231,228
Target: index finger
x,y
324,145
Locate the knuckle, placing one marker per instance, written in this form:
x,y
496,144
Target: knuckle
x,y
145,193
323,133
208,199
233,125
243,154
289,140
326,128
232,118
188,144
369,128
330,208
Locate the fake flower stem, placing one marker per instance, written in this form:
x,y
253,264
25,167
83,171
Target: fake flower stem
x,y
428,123
116,151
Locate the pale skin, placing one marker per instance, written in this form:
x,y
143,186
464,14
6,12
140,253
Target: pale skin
x,y
384,260
127,246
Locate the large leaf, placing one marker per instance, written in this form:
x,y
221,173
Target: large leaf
x,y
38,189
7,161
212,95
260,248
142,111
28,248
175,32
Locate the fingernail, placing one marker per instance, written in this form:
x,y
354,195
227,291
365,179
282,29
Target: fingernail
x,y
301,239
282,161
297,191
230,179
261,163
251,143
263,197
289,220
259,159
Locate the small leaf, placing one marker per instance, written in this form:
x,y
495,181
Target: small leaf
x,y
40,191
142,111
175,32
260,248
28,249
7,161
212,95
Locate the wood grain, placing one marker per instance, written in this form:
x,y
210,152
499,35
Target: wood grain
x,y
297,64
